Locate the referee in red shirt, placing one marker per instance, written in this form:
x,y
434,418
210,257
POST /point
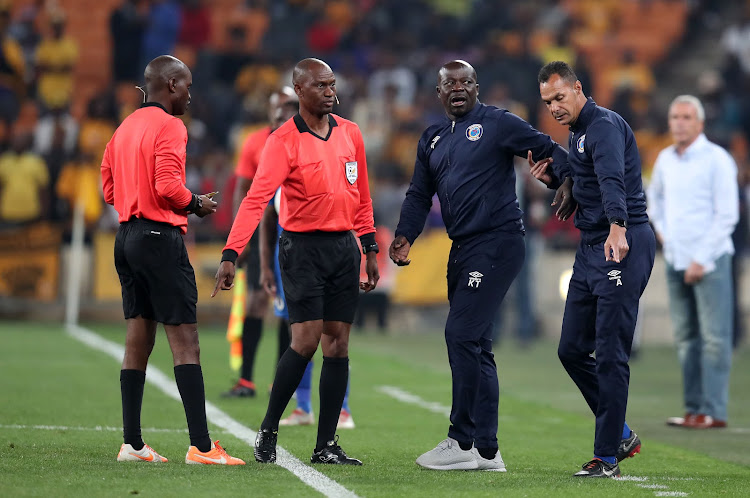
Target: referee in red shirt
x,y
319,160
143,176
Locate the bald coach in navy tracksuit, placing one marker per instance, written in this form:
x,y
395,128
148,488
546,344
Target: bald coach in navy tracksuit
x,y
467,158
612,265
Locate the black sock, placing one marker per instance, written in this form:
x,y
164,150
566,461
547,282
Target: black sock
x,y
284,339
289,372
464,446
131,388
251,331
190,384
488,453
334,376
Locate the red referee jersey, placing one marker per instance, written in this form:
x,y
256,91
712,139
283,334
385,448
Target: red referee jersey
x,y
143,169
252,147
323,182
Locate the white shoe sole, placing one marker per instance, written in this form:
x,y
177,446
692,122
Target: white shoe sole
x,y
470,465
494,470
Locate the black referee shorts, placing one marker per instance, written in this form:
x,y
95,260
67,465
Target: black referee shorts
x,y
158,282
320,275
252,263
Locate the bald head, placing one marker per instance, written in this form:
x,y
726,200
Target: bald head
x,y
306,67
456,65
168,82
162,69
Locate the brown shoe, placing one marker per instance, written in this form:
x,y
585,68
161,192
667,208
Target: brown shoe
x,y
685,421
709,422
695,421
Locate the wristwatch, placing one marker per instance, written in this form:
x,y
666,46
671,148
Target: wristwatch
x,y
195,204
619,222
371,248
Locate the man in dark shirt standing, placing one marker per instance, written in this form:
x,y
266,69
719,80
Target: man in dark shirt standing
x,y
612,265
143,177
319,161
467,158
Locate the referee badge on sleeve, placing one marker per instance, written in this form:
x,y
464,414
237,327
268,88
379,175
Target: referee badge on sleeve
x,y
351,172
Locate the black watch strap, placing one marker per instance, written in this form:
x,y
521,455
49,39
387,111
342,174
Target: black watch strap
x,y
619,222
371,248
195,204
368,243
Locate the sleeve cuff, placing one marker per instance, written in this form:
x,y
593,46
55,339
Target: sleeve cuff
x,y
410,237
229,255
367,239
193,203
617,215
556,183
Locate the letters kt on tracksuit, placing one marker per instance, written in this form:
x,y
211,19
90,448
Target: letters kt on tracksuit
x,y
469,163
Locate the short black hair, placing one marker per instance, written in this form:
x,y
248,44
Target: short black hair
x,y
559,68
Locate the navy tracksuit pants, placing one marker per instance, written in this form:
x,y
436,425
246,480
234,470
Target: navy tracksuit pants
x,y
598,326
480,271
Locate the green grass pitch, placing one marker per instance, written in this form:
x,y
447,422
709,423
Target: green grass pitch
x,y
546,431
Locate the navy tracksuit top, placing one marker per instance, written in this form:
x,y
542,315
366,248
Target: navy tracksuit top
x,y
469,163
606,169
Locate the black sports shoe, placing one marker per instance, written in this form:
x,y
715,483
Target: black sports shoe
x,y
333,454
598,468
265,446
242,389
629,447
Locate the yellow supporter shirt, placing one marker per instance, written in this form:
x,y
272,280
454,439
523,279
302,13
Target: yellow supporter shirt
x,y
93,137
21,177
80,182
57,57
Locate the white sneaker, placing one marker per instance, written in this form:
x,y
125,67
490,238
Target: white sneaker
x,y
494,465
299,417
345,420
146,454
448,455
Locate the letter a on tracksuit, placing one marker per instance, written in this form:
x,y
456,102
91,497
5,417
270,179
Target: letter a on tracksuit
x,y
602,303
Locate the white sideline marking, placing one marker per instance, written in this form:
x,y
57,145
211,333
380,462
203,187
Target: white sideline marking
x,y
97,428
309,476
435,407
413,399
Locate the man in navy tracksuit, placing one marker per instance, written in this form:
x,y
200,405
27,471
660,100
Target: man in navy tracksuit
x,y
467,158
612,265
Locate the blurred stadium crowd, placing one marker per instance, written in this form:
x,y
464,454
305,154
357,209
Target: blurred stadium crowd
x,y
68,70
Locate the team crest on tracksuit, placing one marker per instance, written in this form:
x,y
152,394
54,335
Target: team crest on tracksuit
x,y
351,172
474,132
579,143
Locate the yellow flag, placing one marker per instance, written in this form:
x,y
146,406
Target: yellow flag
x,y
237,319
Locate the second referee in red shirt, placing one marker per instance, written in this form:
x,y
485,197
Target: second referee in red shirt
x,y
319,160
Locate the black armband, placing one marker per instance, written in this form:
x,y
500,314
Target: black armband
x,y
193,204
229,255
368,243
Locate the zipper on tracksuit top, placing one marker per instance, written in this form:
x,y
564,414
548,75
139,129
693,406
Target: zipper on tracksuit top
x,y
448,176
